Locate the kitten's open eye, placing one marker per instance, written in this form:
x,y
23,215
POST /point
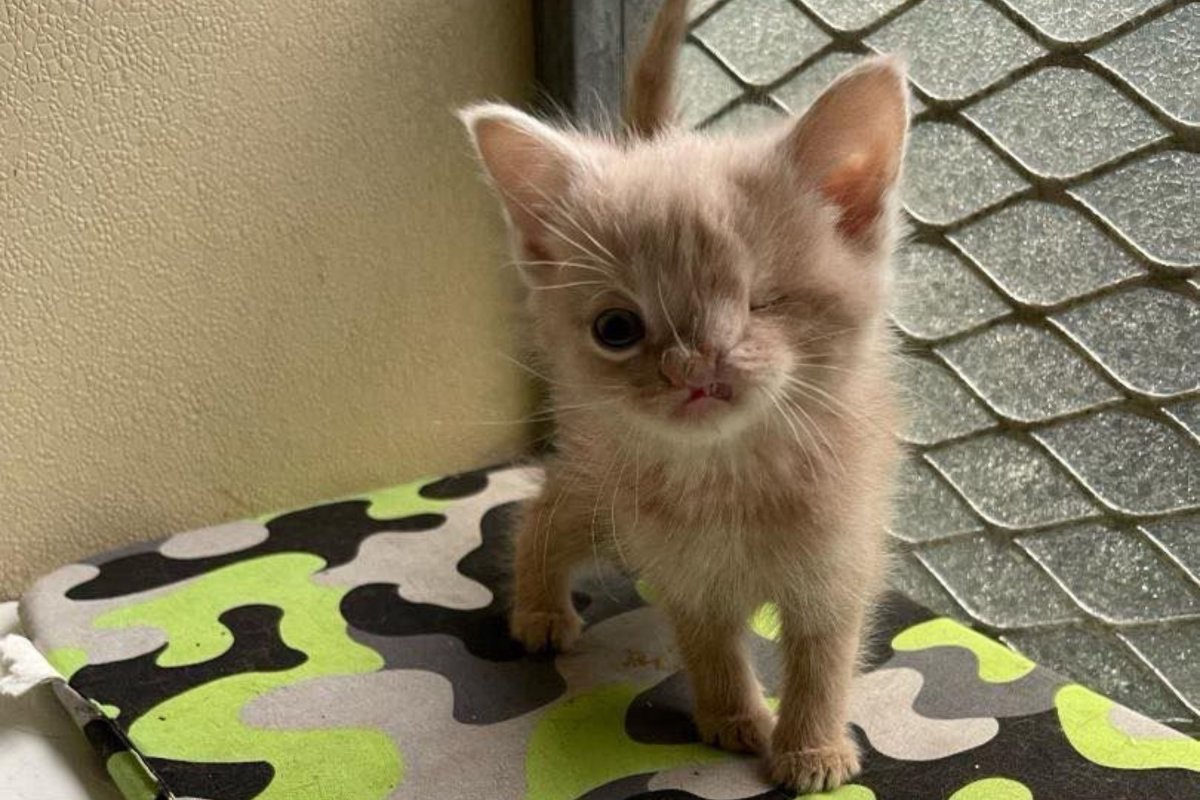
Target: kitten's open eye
x,y
618,329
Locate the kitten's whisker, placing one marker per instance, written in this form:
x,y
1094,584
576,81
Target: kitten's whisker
x,y
595,514
551,226
550,529
793,422
562,209
601,387
592,297
819,431
789,408
663,304
637,480
795,432
612,511
812,449
491,422
557,231
570,264
809,391
540,416
557,384
837,402
802,365
830,335
839,408
583,406
516,362
567,285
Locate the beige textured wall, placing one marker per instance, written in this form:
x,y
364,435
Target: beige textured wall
x,y
245,259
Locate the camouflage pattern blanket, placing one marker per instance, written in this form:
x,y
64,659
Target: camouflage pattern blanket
x,y
357,650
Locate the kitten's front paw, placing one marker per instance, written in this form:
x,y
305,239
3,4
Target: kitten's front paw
x,y
545,630
817,769
745,733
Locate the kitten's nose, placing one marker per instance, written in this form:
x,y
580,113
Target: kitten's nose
x,y
689,369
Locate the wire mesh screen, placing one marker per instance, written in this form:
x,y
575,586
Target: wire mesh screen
x,y
1048,305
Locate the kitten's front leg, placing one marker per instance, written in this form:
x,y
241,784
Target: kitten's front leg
x,y
729,710
549,546
812,750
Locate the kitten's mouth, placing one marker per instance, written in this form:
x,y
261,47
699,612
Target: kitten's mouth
x,y
703,400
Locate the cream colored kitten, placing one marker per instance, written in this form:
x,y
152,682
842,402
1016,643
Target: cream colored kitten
x,y
711,312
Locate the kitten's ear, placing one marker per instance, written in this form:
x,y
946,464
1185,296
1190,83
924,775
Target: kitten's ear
x,y
849,145
530,164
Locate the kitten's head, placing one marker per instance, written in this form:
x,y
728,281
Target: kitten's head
x,y
692,285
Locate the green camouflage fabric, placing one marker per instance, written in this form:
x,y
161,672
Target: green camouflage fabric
x,y
357,649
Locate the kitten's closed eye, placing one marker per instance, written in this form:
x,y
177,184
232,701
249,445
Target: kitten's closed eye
x,y
768,303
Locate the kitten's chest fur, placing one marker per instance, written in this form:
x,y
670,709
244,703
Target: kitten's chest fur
x,y
748,527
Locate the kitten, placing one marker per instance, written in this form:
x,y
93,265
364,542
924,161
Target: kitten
x,y
710,310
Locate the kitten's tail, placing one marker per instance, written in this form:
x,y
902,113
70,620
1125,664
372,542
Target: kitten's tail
x,y
651,94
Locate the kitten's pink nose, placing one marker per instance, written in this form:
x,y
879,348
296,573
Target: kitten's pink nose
x,y
689,369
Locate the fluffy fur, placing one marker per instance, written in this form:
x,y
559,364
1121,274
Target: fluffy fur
x,y
742,452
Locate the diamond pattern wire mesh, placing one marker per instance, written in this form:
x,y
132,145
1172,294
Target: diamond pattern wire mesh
x,y
1049,307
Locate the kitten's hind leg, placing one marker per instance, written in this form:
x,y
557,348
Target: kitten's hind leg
x,y
730,712
549,545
